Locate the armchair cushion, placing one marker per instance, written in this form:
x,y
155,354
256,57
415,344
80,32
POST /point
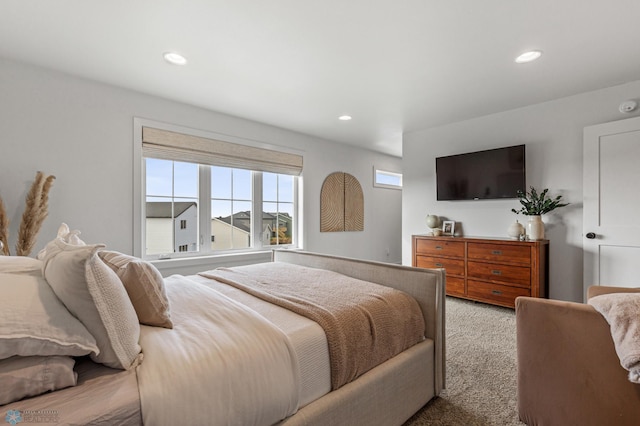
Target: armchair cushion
x,y
622,313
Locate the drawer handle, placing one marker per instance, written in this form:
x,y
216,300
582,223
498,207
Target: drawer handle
x,y
496,272
498,252
439,265
438,247
498,292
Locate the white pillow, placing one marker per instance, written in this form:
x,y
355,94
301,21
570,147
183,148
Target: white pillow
x,y
94,294
19,264
67,236
33,321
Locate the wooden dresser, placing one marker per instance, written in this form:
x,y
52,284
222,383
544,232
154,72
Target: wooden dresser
x,y
489,270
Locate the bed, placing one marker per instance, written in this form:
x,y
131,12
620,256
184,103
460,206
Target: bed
x,y
293,383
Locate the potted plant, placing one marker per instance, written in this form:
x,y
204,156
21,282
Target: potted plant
x,y
535,204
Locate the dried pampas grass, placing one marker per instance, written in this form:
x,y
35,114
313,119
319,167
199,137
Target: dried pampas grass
x,y
4,229
35,212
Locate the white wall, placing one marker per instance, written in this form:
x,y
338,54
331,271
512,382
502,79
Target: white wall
x,y
552,132
82,132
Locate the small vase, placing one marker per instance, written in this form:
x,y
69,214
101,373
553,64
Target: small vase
x,y
515,230
535,228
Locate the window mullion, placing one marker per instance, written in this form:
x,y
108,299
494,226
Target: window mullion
x,y
204,211
256,211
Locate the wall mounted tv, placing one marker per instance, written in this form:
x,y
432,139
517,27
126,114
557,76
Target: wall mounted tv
x,y
482,175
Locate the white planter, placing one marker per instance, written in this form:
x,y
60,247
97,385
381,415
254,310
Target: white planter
x,y
535,228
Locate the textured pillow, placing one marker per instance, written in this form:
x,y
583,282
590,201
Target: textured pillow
x,y
94,294
22,377
19,264
145,287
33,321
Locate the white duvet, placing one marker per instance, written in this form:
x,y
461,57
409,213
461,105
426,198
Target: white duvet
x,y
221,364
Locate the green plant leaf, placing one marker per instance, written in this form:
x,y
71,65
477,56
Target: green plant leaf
x,y
534,203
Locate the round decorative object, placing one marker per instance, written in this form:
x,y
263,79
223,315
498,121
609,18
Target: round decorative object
x,y
535,228
432,221
515,230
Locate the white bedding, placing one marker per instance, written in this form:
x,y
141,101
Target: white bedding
x,y
306,336
219,348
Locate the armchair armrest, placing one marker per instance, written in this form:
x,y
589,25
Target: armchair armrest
x,y
568,370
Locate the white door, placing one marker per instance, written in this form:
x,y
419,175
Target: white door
x,y
611,211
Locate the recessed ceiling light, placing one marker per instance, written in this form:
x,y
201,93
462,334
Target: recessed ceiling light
x,y
175,58
344,117
529,56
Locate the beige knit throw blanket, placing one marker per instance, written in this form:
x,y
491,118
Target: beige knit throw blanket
x,y
365,323
622,312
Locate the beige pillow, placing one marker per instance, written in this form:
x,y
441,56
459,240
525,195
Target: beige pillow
x,y
94,294
33,321
145,287
22,377
19,264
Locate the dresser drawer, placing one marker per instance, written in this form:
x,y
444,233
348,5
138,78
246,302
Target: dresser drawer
x,y
440,247
451,266
495,293
507,274
500,253
455,286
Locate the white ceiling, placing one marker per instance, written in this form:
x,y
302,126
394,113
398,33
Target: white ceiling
x,y
395,66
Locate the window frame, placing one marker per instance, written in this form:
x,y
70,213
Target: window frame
x,y
204,200
377,170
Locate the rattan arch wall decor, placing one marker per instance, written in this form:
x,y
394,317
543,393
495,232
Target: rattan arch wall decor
x,y
341,204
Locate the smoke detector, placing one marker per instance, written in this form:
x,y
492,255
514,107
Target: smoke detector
x,y
628,106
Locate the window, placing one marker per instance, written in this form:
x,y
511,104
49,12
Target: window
x,y
386,179
171,196
192,196
277,209
231,206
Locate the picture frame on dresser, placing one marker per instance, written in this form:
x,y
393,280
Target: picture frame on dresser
x,y
448,227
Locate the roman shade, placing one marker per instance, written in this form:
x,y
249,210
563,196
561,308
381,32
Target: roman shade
x,y
175,146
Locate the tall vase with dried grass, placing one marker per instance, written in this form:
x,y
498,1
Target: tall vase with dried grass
x,y
35,212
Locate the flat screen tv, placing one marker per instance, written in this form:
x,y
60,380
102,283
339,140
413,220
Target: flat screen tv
x,y
482,175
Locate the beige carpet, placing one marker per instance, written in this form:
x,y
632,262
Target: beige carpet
x,y
481,368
